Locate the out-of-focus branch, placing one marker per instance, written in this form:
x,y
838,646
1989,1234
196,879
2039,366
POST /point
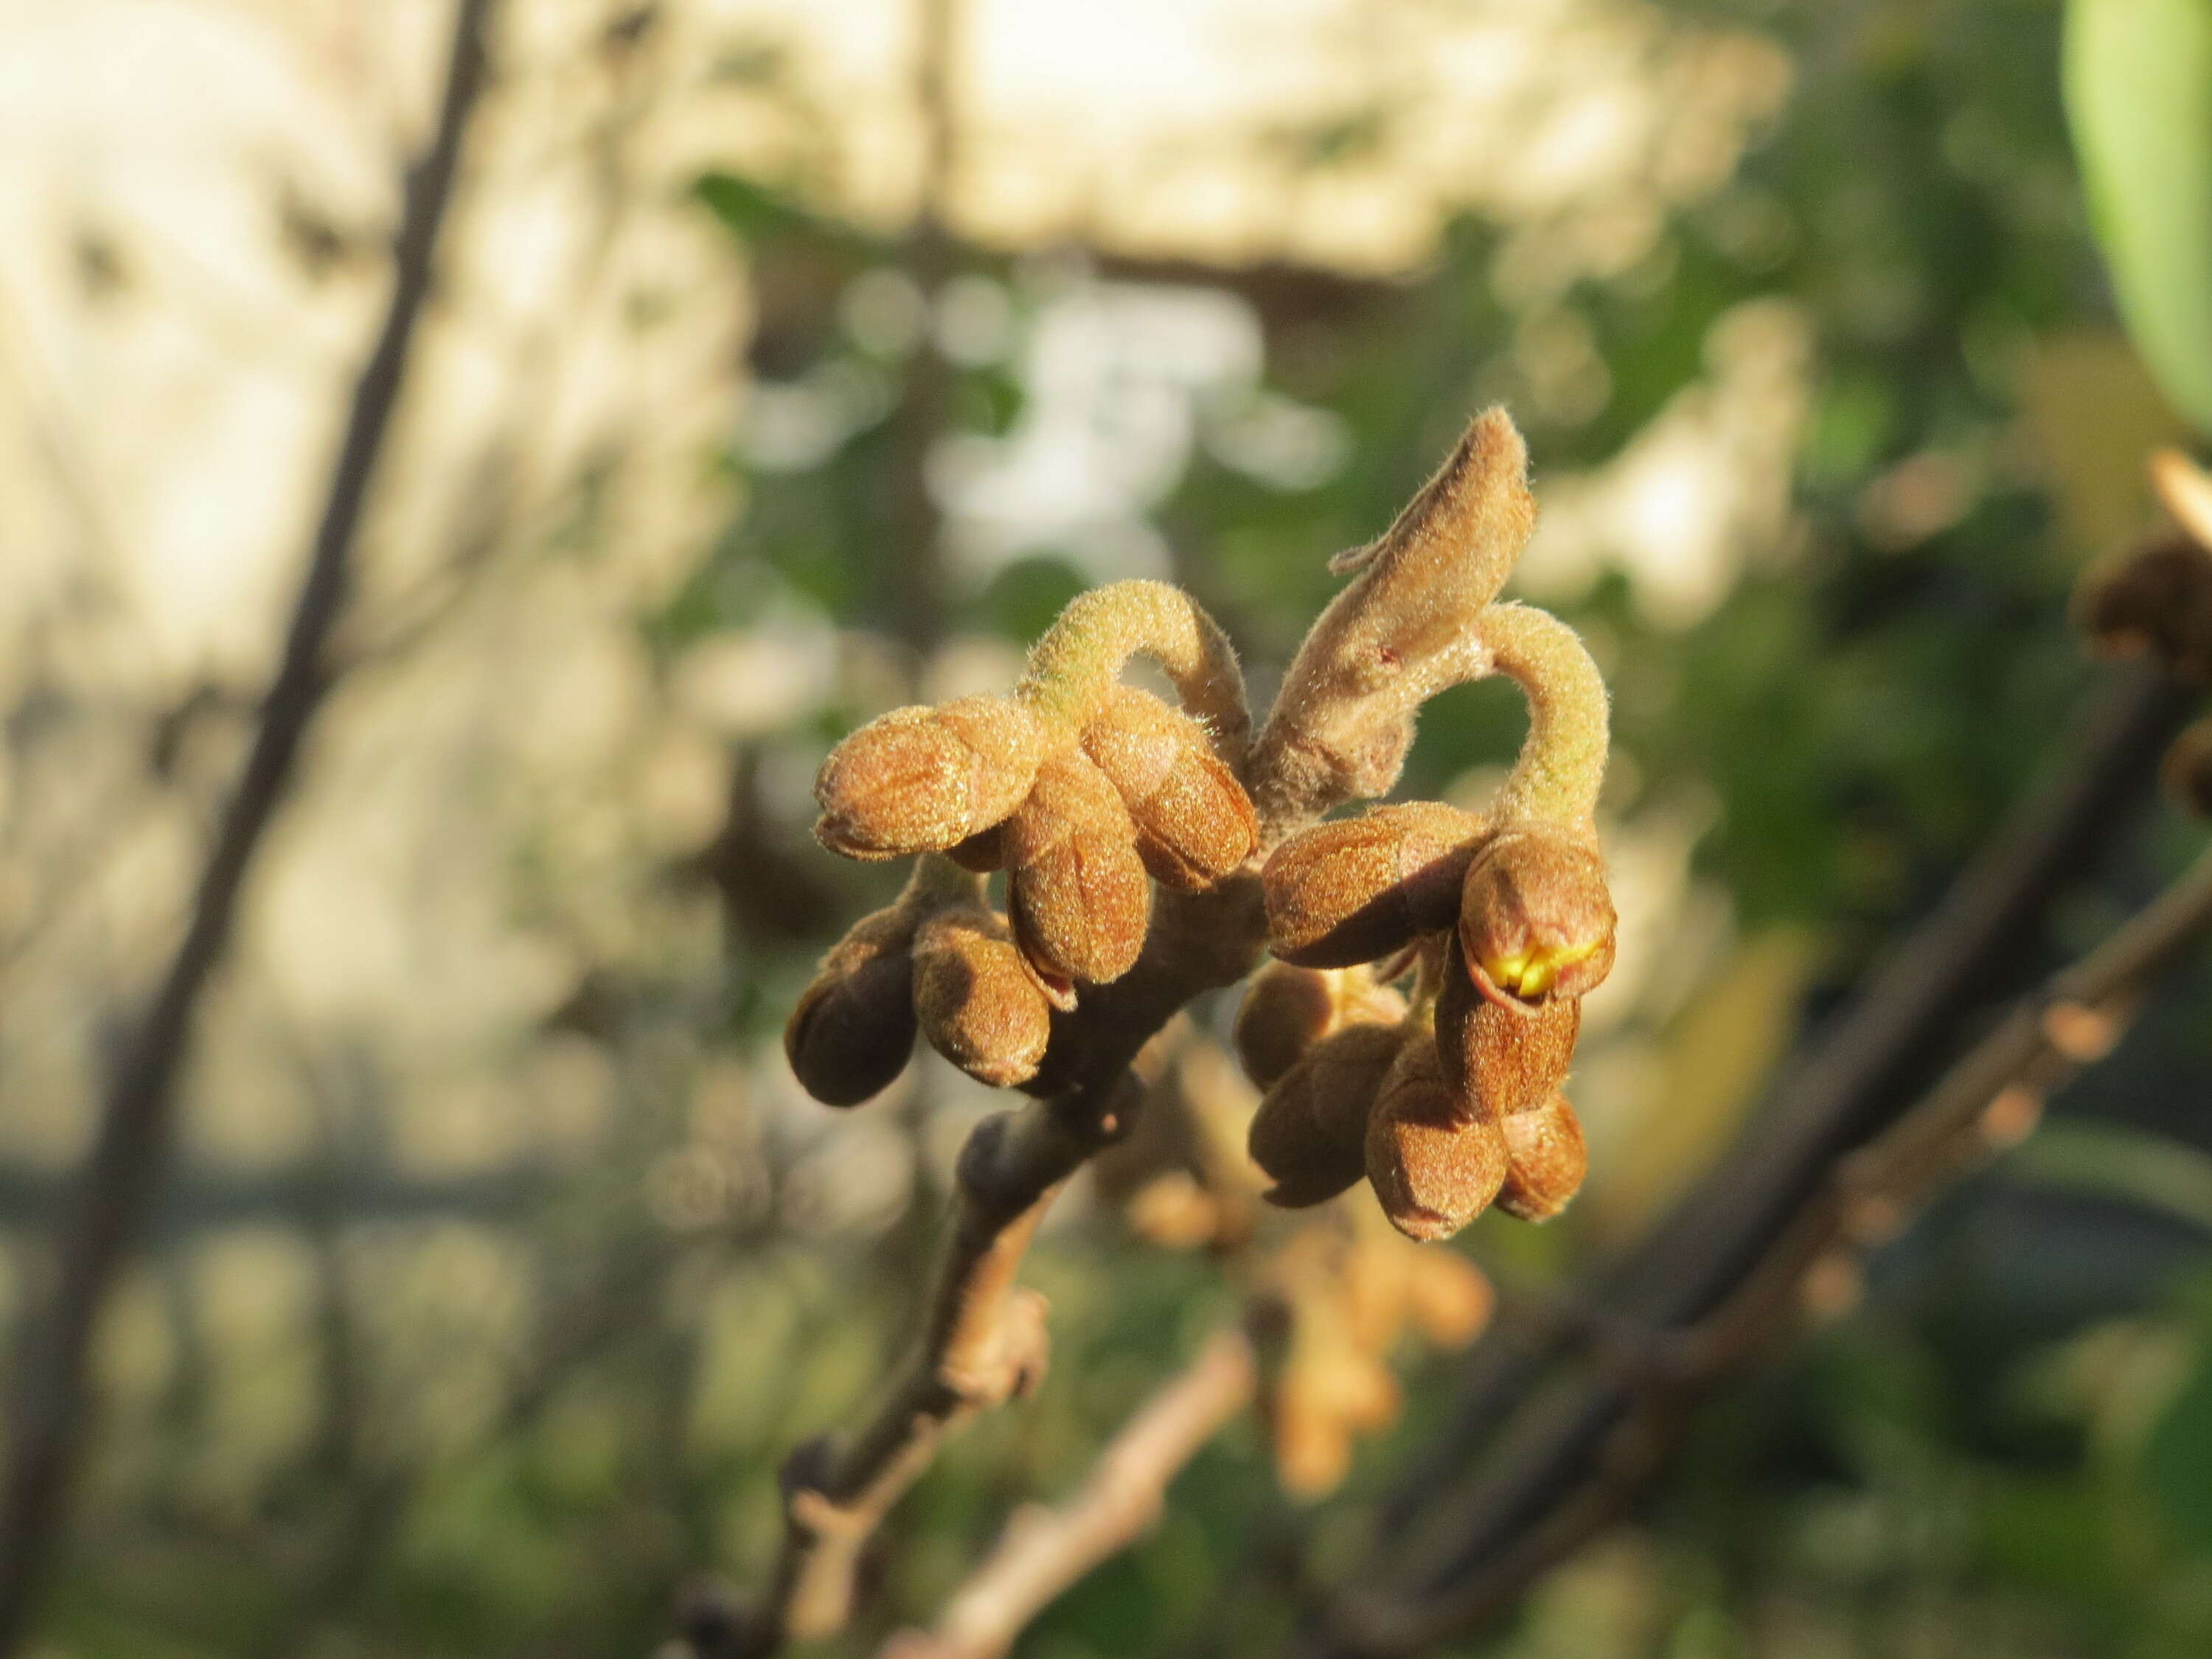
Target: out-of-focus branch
x,y
1716,1276
1045,1551
984,1341
47,1405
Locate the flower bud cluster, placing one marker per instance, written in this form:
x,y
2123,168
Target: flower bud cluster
x,y
940,962
1082,789
1456,1103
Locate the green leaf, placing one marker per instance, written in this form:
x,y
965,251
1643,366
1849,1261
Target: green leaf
x,y
2178,1462
2138,81
748,209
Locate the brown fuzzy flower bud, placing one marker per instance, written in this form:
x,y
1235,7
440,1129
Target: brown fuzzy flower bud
x,y
1502,1057
1288,1009
2153,596
2187,772
1194,824
1358,889
1535,920
1078,896
920,779
1310,1132
851,1028
1546,1159
1433,1167
976,1001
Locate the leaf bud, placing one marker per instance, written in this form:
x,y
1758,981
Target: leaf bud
x,y
1545,1159
1077,895
1434,1167
1310,1132
921,779
1535,920
1357,888
851,1028
1195,824
976,1001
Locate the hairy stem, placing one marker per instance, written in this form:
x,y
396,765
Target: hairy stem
x,y
1080,658
1561,766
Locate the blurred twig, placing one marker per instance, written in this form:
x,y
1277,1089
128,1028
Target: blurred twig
x,y
1855,1135
1045,1551
48,1407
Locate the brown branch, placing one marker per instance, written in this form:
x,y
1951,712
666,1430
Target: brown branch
x,y
48,1406
1716,1279
1046,1550
983,1342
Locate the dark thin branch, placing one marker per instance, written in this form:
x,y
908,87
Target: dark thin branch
x,y
48,1407
1455,1553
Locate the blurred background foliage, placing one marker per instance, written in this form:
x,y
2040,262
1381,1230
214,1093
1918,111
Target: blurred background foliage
x,y
797,359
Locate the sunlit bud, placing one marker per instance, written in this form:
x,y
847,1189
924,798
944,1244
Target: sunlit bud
x,y
1535,920
1545,1159
1194,824
1288,1009
1501,1057
853,1028
2188,769
1310,1132
977,1004
920,779
2153,597
1433,1169
1358,889
1078,896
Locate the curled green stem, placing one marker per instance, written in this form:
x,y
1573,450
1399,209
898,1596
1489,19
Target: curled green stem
x,y
1080,658
1561,767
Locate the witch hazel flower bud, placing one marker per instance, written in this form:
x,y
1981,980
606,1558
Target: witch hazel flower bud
x,y
851,1028
1545,1159
1289,1009
975,999
923,779
1502,1058
1310,1132
1434,1165
1358,889
1535,920
1195,824
1077,893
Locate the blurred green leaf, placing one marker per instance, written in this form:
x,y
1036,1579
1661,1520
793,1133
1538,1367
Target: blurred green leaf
x,y
2177,1461
2139,96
